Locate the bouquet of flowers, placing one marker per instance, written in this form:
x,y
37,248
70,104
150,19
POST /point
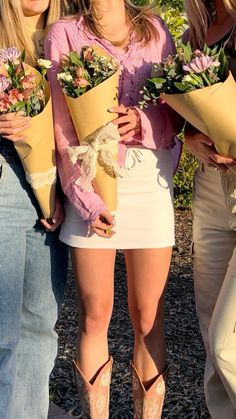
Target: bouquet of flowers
x,y
199,86
24,89
89,80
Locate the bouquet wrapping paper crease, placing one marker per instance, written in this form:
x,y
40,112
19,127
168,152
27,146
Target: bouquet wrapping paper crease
x,y
90,116
212,110
37,153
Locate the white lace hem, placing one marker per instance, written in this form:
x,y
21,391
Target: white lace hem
x,y
38,180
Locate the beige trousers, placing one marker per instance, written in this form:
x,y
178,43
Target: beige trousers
x,y
214,236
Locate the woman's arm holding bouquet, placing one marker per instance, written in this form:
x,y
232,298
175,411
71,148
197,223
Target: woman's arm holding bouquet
x,y
199,144
203,148
88,204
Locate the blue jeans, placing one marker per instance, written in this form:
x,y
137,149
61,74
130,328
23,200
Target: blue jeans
x,y
33,268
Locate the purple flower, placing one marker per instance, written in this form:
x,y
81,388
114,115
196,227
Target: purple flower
x,y
4,83
9,54
201,63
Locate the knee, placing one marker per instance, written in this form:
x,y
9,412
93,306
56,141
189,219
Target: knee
x,y
222,350
221,355
148,321
95,317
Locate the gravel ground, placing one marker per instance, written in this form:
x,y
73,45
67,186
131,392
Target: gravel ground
x,y
184,399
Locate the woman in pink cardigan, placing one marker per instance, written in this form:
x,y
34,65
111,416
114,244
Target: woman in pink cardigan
x,y
144,221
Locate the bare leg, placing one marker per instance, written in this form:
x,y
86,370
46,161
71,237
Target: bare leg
x,y
147,271
94,277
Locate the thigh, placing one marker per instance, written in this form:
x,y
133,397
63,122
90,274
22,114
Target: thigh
x,y
213,238
147,271
13,215
12,265
94,274
45,274
223,323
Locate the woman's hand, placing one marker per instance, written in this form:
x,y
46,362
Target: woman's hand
x,y
129,123
203,148
57,217
13,125
103,224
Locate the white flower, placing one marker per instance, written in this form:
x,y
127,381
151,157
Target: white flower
x,y
153,410
64,77
100,403
187,78
105,379
160,388
44,63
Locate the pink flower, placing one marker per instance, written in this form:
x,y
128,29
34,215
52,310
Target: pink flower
x,y
14,96
27,93
9,54
201,63
88,54
40,94
4,103
80,82
28,81
4,83
80,72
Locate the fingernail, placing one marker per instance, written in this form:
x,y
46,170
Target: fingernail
x,y
54,221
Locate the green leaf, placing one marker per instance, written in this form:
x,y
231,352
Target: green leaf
x,y
187,52
75,58
23,55
181,86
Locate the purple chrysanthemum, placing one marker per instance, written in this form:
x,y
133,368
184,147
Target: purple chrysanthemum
x,y
9,54
201,63
4,83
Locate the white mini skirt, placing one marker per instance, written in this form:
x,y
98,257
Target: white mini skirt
x,y
144,217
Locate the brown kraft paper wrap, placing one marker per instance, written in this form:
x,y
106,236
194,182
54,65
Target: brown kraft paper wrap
x,y
89,112
212,110
37,153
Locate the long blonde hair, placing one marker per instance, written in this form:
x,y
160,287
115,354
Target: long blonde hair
x,y
200,15
13,32
139,16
